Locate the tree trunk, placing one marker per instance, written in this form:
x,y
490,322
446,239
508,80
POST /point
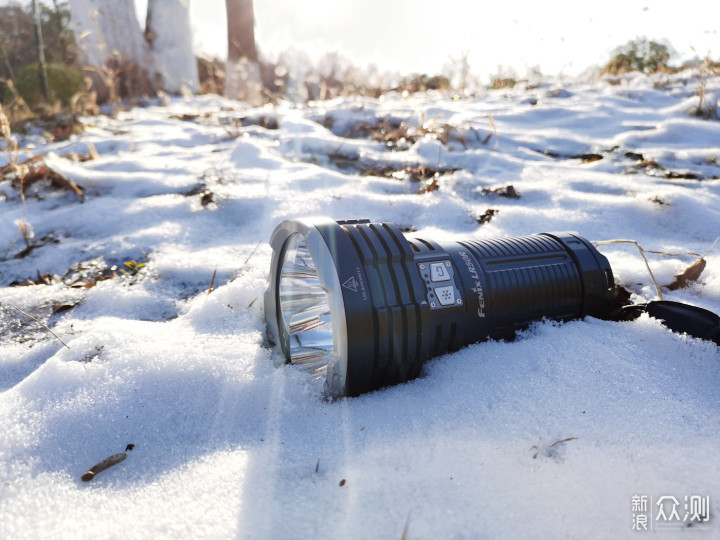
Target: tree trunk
x,y
168,33
108,27
242,77
241,30
111,47
42,68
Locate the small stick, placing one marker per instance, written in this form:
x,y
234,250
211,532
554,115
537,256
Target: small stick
x,y
105,464
93,151
405,529
253,251
642,251
40,323
491,133
642,254
212,281
562,441
711,247
246,261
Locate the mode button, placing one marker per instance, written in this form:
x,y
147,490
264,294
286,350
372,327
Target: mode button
x,y
445,295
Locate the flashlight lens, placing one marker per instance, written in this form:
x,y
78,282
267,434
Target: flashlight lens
x,y
305,310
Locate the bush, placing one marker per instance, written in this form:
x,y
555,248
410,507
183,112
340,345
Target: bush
x,y
639,55
63,83
15,107
17,35
423,82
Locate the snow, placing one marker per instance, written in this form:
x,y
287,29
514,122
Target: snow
x,y
549,435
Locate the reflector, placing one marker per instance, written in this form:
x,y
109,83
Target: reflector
x,y
305,310
362,306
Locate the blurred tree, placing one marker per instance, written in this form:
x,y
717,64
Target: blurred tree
x,y
19,56
167,30
115,52
16,31
242,79
16,37
59,35
639,55
106,40
63,83
241,30
104,28
111,48
41,65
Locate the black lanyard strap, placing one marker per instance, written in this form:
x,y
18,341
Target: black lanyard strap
x,y
678,317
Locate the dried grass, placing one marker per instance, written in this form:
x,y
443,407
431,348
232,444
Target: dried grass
x,y
707,106
400,135
690,275
37,321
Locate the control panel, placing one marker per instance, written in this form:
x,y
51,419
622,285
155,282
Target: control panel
x,y
439,278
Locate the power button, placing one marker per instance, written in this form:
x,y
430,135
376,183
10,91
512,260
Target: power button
x,y
438,272
441,289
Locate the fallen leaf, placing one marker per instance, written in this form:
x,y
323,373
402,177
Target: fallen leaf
x,y
35,169
207,198
690,275
588,158
487,216
634,156
509,192
687,175
429,186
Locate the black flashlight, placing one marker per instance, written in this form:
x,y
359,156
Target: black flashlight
x,y
361,306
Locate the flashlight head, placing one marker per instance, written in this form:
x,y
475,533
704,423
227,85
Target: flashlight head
x,y
304,306
359,306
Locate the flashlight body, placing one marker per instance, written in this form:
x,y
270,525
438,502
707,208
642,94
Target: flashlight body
x,y
430,298
409,299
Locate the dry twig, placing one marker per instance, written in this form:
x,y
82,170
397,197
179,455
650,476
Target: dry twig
x,y
39,322
642,254
104,464
212,281
690,274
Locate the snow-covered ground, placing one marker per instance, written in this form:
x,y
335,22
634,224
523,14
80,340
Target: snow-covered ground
x,y
551,435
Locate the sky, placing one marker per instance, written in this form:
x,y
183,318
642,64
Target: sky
x,y
424,36
557,36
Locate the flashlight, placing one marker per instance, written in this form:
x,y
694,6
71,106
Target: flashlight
x,y
360,306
